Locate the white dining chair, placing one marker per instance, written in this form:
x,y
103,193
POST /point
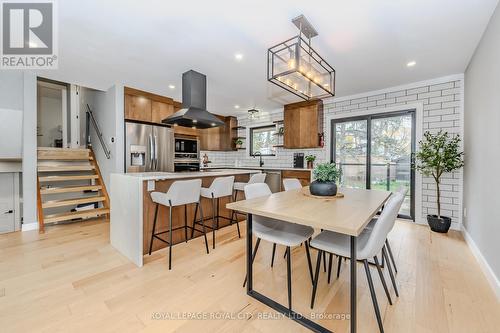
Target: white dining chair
x,y
183,192
278,232
369,244
291,184
239,187
402,190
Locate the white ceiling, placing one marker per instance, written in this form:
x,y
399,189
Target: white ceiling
x,y
149,44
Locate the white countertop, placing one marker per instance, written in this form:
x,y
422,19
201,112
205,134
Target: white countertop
x,y
255,168
190,174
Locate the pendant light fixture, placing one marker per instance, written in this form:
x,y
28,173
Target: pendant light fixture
x,y
253,114
296,67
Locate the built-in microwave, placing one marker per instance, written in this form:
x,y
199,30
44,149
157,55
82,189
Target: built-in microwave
x,y
186,145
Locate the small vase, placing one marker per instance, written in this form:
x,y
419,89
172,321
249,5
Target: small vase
x,y
310,164
324,189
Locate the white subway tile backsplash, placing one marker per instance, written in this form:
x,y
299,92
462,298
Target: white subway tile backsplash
x,y
442,111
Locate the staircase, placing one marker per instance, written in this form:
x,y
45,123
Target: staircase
x,y
69,178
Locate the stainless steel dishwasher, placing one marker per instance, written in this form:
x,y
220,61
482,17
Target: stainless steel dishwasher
x,y
273,180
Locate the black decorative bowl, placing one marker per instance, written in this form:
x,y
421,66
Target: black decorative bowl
x,y
324,189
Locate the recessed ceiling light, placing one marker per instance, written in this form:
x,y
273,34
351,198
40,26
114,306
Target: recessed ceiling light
x,y
171,86
236,106
411,63
238,56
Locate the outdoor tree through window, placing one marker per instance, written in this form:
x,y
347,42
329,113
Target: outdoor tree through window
x,y
263,140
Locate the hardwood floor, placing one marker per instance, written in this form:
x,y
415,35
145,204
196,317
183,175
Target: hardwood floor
x,y
70,279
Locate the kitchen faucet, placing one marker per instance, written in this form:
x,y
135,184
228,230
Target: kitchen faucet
x,y
261,162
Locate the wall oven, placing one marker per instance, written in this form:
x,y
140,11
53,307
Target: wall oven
x,y
186,154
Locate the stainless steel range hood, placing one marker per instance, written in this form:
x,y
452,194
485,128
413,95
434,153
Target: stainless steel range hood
x,y
194,104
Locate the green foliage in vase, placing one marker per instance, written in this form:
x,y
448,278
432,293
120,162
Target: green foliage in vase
x,y
326,172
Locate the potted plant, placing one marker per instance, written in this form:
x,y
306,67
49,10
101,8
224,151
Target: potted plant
x,y
325,175
438,154
310,161
238,143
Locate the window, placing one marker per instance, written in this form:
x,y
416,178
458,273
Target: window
x,y
263,140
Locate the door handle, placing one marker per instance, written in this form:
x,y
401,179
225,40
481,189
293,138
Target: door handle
x,y
9,212
151,152
156,153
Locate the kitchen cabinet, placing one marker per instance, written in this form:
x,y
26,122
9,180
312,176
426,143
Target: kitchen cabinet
x,y
147,107
160,111
303,122
151,108
219,138
137,108
304,176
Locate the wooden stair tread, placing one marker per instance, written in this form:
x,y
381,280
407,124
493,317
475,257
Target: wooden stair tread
x,y
70,202
74,215
63,154
65,178
56,168
63,149
53,190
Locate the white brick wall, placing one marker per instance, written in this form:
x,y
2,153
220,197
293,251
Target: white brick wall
x,y
442,110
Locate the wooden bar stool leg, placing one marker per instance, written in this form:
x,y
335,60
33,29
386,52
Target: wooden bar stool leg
x,y
153,232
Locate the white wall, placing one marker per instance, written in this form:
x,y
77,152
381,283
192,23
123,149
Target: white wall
x,y
440,101
482,151
49,121
18,92
107,107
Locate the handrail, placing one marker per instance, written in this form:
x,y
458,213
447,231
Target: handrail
x,y
90,116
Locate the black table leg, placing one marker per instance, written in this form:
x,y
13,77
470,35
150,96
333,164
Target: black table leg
x,y
249,254
353,284
266,300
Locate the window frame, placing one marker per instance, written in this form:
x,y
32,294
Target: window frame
x,y
250,134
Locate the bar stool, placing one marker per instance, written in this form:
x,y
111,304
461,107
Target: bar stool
x,y
240,187
221,187
180,193
255,178
291,184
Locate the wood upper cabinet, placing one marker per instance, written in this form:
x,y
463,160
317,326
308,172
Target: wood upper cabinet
x,y
144,106
137,108
303,122
219,138
160,111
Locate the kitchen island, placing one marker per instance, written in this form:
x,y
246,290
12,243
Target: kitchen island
x,y
132,210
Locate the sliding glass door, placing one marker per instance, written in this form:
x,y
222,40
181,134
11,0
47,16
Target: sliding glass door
x,y
375,152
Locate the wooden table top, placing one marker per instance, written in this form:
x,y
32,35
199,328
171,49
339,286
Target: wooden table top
x,y
348,215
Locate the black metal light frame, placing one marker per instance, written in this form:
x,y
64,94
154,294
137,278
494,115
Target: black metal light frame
x,y
298,44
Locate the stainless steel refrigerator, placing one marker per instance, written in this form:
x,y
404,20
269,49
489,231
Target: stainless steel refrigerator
x,y
148,148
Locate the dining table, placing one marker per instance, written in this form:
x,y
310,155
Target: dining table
x,y
348,214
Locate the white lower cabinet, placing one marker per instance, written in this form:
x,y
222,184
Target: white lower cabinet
x,y
9,202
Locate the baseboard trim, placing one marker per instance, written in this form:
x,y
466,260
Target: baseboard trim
x,y
29,226
485,267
